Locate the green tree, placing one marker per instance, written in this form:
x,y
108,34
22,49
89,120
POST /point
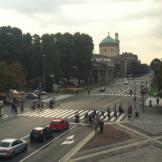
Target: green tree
x,y
12,76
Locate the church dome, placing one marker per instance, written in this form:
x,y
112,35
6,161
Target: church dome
x,y
108,40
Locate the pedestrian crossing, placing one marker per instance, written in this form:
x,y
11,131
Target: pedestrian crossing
x,y
70,113
113,94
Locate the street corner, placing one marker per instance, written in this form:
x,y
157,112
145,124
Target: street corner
x,y
112,136
148,123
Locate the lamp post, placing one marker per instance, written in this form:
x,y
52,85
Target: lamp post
x,y
44,71
53,86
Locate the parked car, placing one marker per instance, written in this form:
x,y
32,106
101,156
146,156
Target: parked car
x,y
126,82
40,134
102,89
31,96
59,124
10,147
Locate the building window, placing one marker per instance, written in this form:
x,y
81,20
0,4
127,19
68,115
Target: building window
x,y
105,50
111,50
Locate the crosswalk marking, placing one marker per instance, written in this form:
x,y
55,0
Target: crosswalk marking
x,y
120,117
67,114
70,113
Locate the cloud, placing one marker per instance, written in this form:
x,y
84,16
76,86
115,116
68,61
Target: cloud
x,y
31,6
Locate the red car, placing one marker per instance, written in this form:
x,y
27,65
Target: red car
x,y
59,124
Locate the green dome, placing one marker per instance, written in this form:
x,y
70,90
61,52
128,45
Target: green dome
x,y
108,40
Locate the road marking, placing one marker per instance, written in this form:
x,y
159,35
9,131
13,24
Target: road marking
x,y
41,148
69,140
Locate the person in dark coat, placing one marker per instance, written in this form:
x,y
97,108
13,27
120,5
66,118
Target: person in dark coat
x,y
101,125
108,112
115,111
22,106
157,101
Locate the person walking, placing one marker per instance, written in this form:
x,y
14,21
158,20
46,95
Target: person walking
x,y
90,120
129,112
157,101
96,125
101,125
150,103
22,106
15,108
115,111
108,113
38,106
120,109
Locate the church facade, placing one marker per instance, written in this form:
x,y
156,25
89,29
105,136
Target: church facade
x,y
109,64
110,47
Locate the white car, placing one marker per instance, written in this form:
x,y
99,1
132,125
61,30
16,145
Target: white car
x,y
102,89
126,82
10,147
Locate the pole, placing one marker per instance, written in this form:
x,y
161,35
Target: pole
x,y
44,71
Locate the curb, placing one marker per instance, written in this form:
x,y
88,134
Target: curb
x,y
73,151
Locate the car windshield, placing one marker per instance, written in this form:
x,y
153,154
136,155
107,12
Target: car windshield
x,y
55,122
4,144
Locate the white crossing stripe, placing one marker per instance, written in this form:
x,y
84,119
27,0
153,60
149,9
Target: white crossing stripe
x,y
70,113
57,113
82,114
120,117
51,113
113,118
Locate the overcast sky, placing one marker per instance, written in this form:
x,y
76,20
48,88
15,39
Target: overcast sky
x,y
138,22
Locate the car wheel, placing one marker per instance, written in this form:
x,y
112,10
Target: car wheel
x,y
26,147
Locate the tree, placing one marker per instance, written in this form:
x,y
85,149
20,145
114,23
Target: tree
x,y
156,66
12,76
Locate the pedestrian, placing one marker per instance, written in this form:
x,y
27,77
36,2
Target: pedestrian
x,y
150,103
22,106
12,107
157,101
96,124
108,113
94,114
101,125
15,107
88,91
90,120
38,106
129,112
115,111
120,109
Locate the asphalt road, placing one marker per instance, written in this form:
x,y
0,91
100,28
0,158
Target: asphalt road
x,y
53,150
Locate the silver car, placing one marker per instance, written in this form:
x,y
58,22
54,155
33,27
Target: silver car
x,y
10,147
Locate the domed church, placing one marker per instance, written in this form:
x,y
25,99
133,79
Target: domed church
x,y
109,47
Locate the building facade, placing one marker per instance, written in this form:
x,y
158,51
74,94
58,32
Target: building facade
x,y
110,47
102,70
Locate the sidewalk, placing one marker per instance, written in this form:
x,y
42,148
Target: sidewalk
x,y
7,113
138,140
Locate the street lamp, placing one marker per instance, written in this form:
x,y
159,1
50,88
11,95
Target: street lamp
x,y
44,71
53,86
52,76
